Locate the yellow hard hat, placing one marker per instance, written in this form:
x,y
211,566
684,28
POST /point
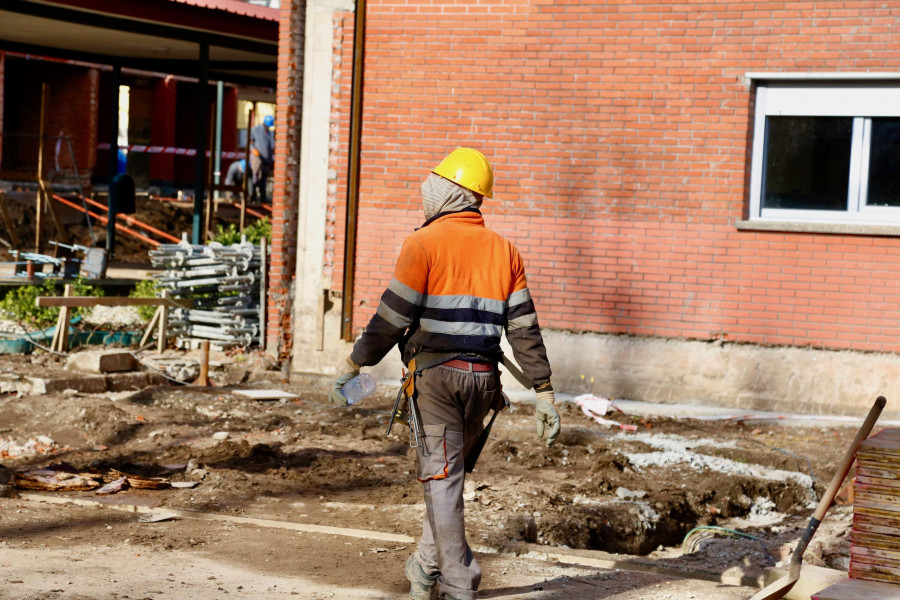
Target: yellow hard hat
x,y
468,168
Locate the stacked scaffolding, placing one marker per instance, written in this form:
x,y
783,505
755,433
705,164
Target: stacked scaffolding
x,y
224,284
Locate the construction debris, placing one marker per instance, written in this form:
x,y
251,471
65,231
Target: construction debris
x,y
41,444
595,408
63,477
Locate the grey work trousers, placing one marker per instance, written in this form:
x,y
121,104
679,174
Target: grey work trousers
x,y
452,404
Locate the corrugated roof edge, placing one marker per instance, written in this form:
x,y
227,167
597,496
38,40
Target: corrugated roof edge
x,y
235,7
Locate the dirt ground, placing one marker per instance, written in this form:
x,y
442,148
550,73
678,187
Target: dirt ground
x,y
302,499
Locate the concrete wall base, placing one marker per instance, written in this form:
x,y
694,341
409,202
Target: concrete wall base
x,y
744,376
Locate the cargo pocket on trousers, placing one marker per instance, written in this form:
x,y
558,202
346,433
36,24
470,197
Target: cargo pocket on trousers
x,y
433,463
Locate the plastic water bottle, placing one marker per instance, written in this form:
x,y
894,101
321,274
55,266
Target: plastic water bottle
x,y
359,387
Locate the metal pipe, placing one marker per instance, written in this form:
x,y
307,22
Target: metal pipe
x,y
200,167
113,160
217,162
350,227
102,219
129,220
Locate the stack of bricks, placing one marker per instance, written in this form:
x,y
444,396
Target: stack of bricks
x,y
875,539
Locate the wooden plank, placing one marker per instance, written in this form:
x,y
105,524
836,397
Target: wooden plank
x,y
886,478
885,441
162,340
877,541
881,519
877,526
82,301
38,220
876,496
863,555
855,589
150,326
63,339
874,572
874,555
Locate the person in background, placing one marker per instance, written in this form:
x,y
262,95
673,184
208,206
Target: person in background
x,y
457,288
235,175
262,157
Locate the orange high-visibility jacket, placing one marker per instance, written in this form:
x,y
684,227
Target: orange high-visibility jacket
x,y
456,288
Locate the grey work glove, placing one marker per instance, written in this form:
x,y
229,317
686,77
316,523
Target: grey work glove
x,y
546,414
351,370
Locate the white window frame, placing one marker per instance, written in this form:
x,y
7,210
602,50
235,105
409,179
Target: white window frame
x,y
860,96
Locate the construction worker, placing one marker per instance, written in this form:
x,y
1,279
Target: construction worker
x,y
262,153
456,288
235,174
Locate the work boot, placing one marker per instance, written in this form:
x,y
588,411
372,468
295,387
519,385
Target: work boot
x,y
420,584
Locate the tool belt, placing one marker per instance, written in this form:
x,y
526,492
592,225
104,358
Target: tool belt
x,y
405,408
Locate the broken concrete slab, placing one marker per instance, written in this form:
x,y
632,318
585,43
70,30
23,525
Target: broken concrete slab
x,y
812,579
102,361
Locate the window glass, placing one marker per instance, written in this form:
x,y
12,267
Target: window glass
x,y
807,162
884,163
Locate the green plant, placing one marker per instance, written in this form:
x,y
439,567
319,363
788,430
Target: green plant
x,y
227,235
20,304
255,231
259,229
145,288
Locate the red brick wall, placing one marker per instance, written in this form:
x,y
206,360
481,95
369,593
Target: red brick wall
x,y
71,110
619,133
285,196
2,96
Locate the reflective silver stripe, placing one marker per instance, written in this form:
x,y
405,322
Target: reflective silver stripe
x,y
406,292
519,297
460,328
523,321
454,302
392,316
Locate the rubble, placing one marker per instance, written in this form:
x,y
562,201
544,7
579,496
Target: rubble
x,y
39,445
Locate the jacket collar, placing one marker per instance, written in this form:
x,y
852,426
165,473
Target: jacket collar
x,y
477,218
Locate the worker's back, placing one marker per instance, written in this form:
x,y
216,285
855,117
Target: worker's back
x,y
466,275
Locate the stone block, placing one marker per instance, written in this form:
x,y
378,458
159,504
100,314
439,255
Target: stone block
x,y
110,361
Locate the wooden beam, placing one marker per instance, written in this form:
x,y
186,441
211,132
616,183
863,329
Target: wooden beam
x,y
82,301
62,342
150,327
162,338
